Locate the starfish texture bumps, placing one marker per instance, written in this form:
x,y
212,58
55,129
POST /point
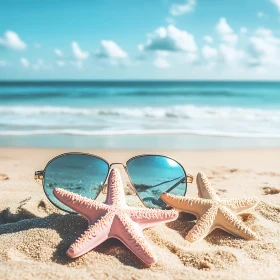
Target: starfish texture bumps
x,y
114,218
212,212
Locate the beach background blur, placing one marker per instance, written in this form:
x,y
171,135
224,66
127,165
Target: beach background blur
x,y
140,114
195,80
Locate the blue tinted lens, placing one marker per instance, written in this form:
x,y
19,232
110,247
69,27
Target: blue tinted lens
x,y
78,173
153,175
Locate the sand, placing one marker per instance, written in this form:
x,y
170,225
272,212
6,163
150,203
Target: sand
x,y
34,235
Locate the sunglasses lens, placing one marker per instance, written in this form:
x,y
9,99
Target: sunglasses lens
x,y
153,175
78,173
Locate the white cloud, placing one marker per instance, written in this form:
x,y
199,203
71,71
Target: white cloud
x,y
243,30
209,53
208,39
161,63
162,53
226,33
276,3
25,62
58,52
60,63
11,40
191,57
265,48
170,39
260,14
78,53
265,32
180,9
226,53
38,65
110,49
3,63
261,50
223,27
41,65
231,55
37,45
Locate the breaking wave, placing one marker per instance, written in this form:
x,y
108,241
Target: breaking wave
x,y
191,119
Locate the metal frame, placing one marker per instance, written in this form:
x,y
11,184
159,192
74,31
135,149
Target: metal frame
x,y
39,175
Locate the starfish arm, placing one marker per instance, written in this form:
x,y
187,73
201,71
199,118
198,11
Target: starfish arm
x,y
132,237
242,204
151,217
195,206
92,237
203,225
230,223
115,192
205,190
79,204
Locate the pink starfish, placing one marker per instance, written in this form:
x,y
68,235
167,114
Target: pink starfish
x,y
114,218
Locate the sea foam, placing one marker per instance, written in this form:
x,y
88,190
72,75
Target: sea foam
x,y
189,119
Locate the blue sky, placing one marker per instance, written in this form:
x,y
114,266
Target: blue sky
x,y
147,39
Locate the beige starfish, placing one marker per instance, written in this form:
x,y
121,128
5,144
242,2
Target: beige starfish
x,y
212,212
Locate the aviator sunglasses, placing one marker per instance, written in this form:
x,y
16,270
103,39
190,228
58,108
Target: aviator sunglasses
x,y
86,174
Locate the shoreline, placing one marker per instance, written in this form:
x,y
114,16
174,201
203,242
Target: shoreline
x,y
155,142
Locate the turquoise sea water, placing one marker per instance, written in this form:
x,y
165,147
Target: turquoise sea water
x,y
147,114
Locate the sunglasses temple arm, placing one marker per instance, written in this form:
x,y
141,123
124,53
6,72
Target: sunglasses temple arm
x,y
175,185
38,176
189,180
168,181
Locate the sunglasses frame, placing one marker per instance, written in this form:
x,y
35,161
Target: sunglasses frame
x,y
40,175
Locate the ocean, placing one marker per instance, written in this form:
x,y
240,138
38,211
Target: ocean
x,y
140,114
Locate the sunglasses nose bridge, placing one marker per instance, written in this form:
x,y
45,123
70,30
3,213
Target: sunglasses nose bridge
x,y
128,183
117,163
112,165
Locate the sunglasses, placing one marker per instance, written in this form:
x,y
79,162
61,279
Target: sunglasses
x,y
86,174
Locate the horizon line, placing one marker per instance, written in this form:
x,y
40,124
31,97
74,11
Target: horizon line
x,y
128,81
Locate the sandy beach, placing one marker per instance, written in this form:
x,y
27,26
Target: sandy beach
x,y
34,235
